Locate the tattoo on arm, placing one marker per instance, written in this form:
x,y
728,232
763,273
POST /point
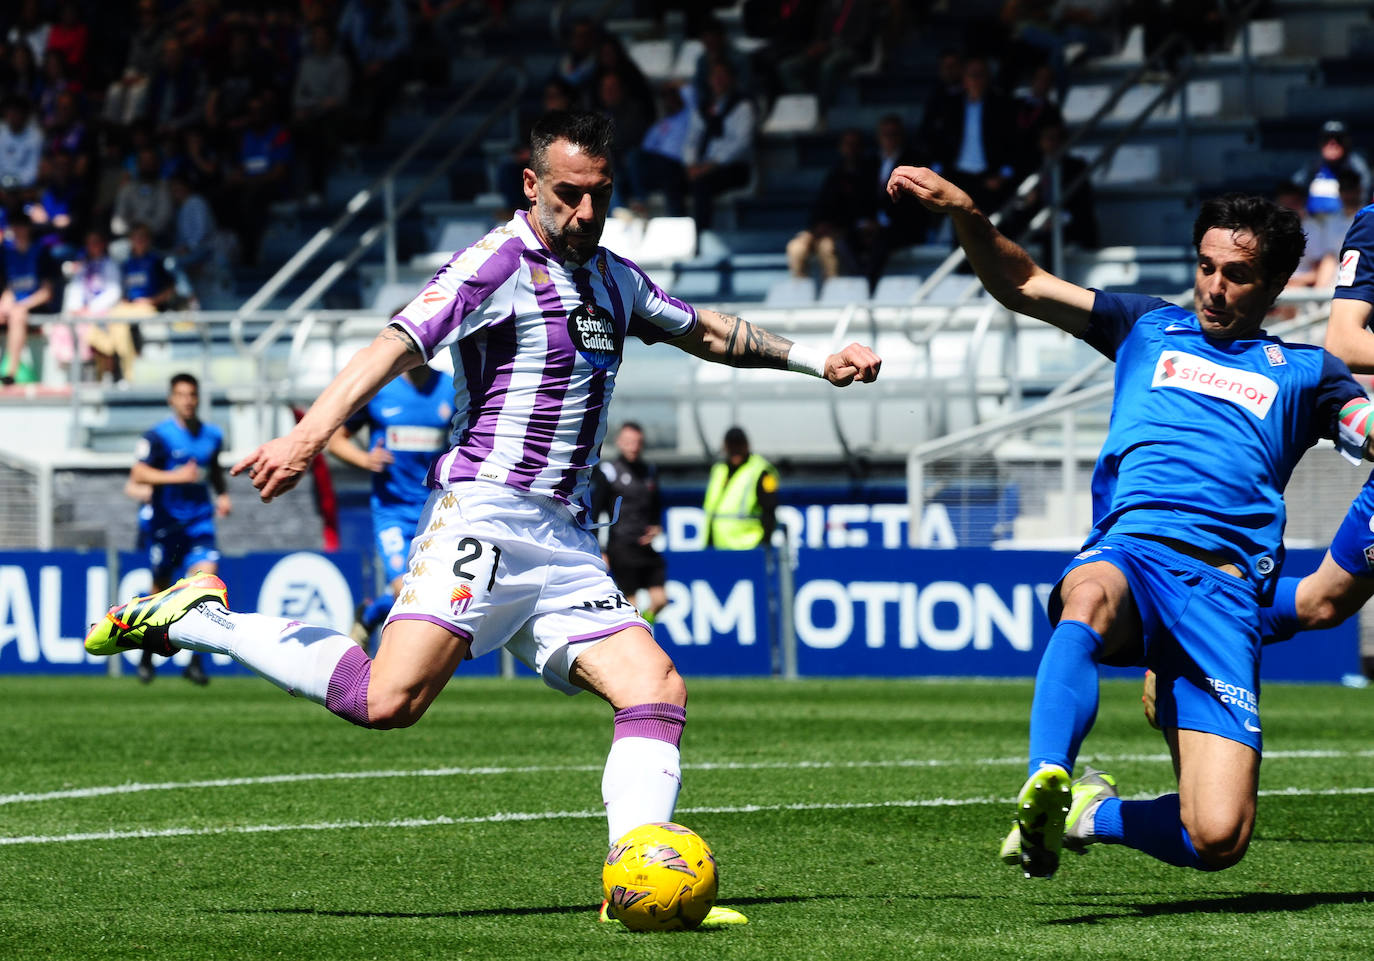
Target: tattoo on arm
x,y
751,346
392,332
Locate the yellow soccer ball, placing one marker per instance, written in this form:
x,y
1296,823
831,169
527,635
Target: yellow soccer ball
x,y
659,877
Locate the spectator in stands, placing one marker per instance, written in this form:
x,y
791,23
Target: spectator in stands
x,y
741,497
1044,30
21,145
246,71
663,151
721,147
631,123
897,225
124,98
93,291
843,215
1035,107
787,26
376,35
70,39
176,93
577,66
61,204
716,45
317,104
54,83
30,29
1078,214
193,241
260,176
611,57
204,165
143,199
842,37
68,136
1325,234
978,152
944,99
145,284
1320,176
31,282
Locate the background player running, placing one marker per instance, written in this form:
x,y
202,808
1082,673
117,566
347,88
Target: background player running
x,y
535,315
1209,418
176,459
407,426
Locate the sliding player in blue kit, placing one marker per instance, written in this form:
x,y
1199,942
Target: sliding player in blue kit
x,y
1210,417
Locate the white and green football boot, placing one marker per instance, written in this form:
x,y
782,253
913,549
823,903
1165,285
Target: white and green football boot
x,y
1089,791
143,621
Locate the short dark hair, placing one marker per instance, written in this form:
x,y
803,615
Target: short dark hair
x,y
593,132
183,378
1277,230
736,439
631,425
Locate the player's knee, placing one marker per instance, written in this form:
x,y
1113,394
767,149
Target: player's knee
x,y
390,710
1218,845
1085,600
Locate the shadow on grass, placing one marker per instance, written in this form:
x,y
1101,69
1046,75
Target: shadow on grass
x,y
516,912
1251,903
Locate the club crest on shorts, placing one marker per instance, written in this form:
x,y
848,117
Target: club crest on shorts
x,y
592,331
460,598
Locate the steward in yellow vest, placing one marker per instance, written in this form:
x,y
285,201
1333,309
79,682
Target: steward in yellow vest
x,y
741,497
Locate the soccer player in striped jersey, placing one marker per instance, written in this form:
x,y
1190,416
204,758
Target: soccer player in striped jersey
x,y
1210,417
534,315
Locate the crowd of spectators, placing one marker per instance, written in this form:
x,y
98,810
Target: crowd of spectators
x,y
176,123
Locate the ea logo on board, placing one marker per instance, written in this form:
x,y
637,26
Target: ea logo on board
x,y
307,587
592,331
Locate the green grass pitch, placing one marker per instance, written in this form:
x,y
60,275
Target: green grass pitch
x,y
852,820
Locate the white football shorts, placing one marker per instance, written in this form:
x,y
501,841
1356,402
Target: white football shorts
x,y
513,570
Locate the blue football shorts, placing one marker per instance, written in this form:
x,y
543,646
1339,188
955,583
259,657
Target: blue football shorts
x,y
392,531
1353,546
1201,634
173,552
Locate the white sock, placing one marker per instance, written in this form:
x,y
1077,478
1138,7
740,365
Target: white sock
x,y
298,658
640,784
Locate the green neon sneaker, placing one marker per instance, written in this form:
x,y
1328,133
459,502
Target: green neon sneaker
x,y
1010,852
1088,793
143,621
718,917
1041,809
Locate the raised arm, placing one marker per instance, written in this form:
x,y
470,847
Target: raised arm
x,y
1006,270
726,339
277,465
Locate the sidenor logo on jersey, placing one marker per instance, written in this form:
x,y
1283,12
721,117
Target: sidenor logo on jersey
x,y
1246,389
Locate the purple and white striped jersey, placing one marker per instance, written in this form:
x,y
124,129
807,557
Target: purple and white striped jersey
x,y
536,343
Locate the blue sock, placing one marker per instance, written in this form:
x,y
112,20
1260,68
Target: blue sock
x,y
1279,620
376,612
1065,703
1150,826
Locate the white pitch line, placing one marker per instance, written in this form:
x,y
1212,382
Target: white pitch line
x,y
489,771
518,816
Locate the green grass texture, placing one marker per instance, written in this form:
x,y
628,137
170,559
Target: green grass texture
x,y
855,819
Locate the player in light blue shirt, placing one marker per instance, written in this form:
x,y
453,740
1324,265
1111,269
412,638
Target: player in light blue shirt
x,y
179,459
407,425
1210,417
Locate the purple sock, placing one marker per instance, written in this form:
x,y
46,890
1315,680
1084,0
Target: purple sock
x,y
662,722
347,696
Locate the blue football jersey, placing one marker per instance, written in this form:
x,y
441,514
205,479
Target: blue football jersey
x,y
1205,433
413,424
167,446
1355,278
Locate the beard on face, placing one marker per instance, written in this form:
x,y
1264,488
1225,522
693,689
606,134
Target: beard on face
x,y
566,243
